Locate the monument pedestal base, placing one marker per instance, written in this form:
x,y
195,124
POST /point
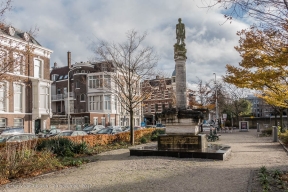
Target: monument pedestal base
x,y
183,146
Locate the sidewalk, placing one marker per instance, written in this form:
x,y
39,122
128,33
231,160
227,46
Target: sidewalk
x,y
117,171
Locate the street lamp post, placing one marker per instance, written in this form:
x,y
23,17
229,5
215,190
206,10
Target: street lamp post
x,y
68,95
216,101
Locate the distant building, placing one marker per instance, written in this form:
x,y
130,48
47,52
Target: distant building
x,y
259,107
24,81
162,97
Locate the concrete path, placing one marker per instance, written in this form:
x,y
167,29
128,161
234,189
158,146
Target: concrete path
x,y
117,171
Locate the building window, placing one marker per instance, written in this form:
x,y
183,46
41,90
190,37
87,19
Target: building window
x,y
95,81
107,81
2,123
96,102
37,68
163,106
44,97
82,71
18,122
77,85
58,91
103,121
18,98
54,77
107,101
82,97
95,120
112,123
19,64
92,103
3,97
3,60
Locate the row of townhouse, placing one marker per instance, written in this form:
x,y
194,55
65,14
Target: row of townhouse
x,y
84,92
24,81
36,98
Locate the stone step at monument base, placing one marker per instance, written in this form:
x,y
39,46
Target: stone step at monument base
x,y
218,152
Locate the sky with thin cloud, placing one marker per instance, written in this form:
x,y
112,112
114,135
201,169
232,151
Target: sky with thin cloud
x,y
72,25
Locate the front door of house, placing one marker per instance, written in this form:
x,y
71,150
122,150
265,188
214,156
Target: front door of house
x,y
37,126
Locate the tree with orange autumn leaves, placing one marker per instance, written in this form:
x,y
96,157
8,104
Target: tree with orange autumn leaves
x,y
264,65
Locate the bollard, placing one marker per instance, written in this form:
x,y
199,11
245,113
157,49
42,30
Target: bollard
x,y
275,133
258,128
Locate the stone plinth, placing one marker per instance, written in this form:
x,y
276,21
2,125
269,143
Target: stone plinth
x,y
181,141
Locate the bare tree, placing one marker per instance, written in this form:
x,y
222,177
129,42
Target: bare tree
x,y
133,63
270,13
234,101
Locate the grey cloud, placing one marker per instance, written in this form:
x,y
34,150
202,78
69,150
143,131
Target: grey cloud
x,y
73,24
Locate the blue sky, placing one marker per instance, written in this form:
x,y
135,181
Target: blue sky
x,y
72,25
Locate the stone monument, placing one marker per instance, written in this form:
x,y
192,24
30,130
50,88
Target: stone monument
x,y
188,144
181,116
180,66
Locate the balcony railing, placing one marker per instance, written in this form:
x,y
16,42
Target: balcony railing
x,y
71,94
57,97
60,97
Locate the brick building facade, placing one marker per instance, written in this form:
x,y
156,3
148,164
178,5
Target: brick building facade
x,y
24,81
91,99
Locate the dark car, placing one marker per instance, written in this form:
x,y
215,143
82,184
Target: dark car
x,y
93,129
11,130
53,132
110,130
160,125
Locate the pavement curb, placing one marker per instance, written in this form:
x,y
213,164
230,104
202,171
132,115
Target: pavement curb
x,y
249,187
285,148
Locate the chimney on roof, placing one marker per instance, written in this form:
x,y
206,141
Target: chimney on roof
x,y
55,65
157,76
69,59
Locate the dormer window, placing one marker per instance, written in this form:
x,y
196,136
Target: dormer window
x,y
26,36
54,77
11,31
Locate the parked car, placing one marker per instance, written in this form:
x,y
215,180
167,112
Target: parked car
x,y
12,130
150,126
110,130
93,129
71,133
17,137
43,133
160,125
135,128
53,132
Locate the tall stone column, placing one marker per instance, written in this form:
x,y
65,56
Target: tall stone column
x,y
181,99
180,65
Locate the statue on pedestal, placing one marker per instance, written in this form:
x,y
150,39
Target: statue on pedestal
x,y
180,33
179,47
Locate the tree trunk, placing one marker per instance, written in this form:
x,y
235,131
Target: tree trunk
x,y
131,127
281,121
275,117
